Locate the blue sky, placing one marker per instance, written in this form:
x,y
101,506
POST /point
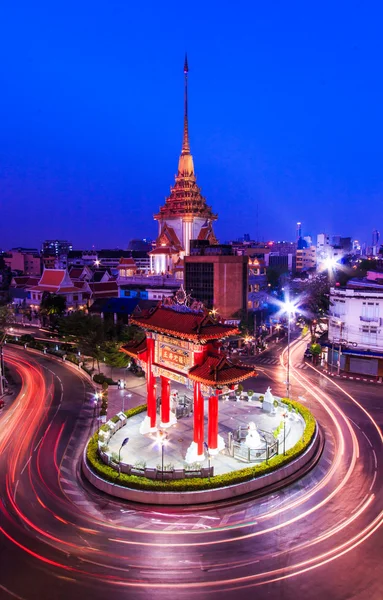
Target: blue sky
x,y
285,111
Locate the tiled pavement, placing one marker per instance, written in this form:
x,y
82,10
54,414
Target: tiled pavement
x,y
231,415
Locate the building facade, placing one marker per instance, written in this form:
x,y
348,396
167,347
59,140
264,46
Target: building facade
x,y
218,278
355,329
306,259
25,262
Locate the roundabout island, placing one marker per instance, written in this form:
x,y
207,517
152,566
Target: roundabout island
x,y
158,453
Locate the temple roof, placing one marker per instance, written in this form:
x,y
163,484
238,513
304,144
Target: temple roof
x,y
185,197
184,323
126,263
219,371
134,348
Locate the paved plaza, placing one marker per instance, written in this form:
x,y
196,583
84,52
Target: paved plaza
x,y
232,414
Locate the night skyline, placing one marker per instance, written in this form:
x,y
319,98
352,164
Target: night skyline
x,y
283,107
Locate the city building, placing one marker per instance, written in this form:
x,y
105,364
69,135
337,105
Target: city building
x,y
306,258
25,262
375,242
323,246
19,288
281,262
299,230
355,330
148,292
283,248
257,284
56,247
50,261
80,258
57,281
144,245
218,278
185,216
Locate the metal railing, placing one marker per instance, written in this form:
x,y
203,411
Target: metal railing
x,y
240,451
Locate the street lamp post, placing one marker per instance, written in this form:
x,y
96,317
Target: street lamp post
x,y
162,440
288,355
340,345
208,457
284,434
289,307
124,442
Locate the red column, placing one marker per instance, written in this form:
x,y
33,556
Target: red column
x,y
165,400
213,423
150,381
198,437
200,421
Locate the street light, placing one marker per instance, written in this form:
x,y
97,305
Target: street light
x,y
162,439
288,307
340,323
284,433
124,442
208,457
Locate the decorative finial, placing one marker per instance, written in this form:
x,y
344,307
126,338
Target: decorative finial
x,y
185,141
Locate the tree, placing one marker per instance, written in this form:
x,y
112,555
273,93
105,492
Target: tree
x,y
104,400
316,302
87,331
6,319
113,357
316,351
53,306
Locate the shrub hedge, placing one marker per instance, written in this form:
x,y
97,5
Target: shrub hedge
x,y
194,484
100,378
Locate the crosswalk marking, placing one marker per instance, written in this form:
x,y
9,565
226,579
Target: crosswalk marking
x,y
276,361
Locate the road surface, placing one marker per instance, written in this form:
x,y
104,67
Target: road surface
x,y
59,538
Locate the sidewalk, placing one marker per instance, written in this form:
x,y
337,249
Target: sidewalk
x,y
352,376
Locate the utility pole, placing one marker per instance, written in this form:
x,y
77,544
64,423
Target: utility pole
x,y
340,345
288,356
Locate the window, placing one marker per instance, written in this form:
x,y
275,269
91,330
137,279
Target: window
x,y
199,282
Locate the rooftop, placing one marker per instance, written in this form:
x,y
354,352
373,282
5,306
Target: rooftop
x,y
183,322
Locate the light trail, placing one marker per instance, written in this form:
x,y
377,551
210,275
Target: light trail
x,y
57,507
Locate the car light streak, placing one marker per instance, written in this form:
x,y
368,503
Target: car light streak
x,y
17,438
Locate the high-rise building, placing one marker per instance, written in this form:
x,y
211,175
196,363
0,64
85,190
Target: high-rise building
x,y
323,245
56,247
185,215
299,230
217,277
375,238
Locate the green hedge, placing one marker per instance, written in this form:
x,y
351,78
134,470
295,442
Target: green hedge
x,y
100,378
195,484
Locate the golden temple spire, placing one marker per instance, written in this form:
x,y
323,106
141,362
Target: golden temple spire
x,y
185,141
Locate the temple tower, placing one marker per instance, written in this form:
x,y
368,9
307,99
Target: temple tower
x,y
185,215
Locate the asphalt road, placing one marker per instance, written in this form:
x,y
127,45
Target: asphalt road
x,y
59,538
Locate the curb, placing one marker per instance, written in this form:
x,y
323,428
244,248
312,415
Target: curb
x,y
65,363
263,484
351,377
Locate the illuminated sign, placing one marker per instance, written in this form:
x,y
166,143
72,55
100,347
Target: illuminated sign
x,y
173,356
